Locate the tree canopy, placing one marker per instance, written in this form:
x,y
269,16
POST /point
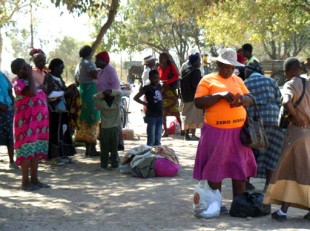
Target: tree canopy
x,y
282,26
153,25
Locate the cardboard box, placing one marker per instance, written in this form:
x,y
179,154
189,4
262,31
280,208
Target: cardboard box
x,y
128,134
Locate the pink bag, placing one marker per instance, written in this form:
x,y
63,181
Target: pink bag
x,y
165,168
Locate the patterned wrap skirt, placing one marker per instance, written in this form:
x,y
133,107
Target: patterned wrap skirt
x,y
269,158
170,101
89,118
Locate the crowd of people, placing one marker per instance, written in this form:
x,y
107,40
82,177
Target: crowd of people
x,y
219,103
45,114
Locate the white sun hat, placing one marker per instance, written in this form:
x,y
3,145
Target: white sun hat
x,y
149,59
229,56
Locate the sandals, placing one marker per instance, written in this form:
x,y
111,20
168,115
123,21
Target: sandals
x,y
194,138
43,185
30,188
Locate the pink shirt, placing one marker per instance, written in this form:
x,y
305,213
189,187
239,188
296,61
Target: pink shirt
x,y
108,79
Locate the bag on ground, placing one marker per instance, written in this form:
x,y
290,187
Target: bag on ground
x,y
207,202
249,205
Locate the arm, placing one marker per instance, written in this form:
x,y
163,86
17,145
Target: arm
x,y
287,104
175,73
208,101
50,87
138,96
196,78
92,69
93,74
289,91
205,102
31,89
114,80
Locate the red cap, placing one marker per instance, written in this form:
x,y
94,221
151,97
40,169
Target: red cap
x,y
104,56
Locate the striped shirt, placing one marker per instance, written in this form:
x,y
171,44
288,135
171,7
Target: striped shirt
x,y
267,96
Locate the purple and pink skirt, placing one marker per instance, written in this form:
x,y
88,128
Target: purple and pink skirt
x,y
220,155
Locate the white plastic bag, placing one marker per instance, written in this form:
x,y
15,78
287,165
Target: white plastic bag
x,y
207,202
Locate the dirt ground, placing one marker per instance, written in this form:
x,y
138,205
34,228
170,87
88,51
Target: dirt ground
x,y
84,197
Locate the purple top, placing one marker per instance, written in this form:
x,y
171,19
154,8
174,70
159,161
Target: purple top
x,y
108,79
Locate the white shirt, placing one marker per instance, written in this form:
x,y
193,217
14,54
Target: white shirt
x,y
145,76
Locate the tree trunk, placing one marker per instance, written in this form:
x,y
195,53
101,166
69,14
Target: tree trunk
x,y
111,17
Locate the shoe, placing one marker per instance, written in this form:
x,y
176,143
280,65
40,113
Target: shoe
x,y
165,134
187,137
42,185
94,153
278,217
249,186
57,161
13,166
67,160
307,216
223,210
194,138
30,188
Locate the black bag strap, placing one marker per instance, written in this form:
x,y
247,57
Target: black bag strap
x,y
256,112
303,92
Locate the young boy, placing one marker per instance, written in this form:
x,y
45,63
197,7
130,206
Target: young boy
x,y
154,105
108,102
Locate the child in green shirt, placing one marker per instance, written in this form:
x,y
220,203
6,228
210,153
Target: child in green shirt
x,y
108,102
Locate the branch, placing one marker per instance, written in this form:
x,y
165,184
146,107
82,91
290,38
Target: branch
x,y
111,17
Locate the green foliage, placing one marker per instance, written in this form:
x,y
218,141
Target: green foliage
x,y
282,26
67,49
154,25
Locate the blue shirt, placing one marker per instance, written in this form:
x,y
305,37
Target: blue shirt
x,y
5,86
267,96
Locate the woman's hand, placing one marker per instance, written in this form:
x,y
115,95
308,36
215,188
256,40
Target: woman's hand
x,y
228,96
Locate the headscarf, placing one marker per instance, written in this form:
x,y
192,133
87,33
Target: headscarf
x,y
104,55
35,51
254,67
